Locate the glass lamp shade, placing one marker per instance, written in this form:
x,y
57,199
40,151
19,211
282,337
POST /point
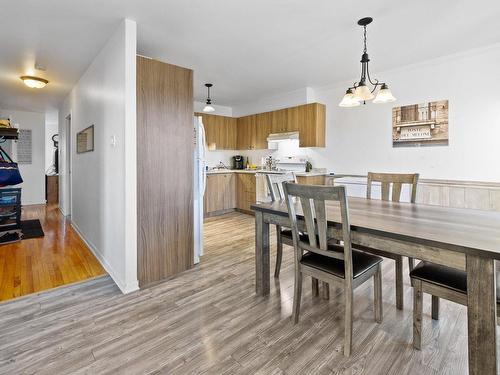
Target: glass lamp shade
x,y
208,108
34,82
362,92
349,100
384,95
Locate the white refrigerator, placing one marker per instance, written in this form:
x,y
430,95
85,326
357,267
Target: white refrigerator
x,y
200,180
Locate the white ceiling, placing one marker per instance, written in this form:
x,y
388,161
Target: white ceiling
x,y
248,49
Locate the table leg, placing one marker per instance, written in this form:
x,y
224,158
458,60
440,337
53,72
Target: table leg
x,y
481,315
261,255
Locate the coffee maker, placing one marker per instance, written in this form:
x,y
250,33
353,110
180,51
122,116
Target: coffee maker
x,y
238,162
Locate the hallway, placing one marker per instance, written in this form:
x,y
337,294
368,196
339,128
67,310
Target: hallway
x,y
58,258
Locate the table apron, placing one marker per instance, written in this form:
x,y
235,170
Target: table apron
x,y
429,253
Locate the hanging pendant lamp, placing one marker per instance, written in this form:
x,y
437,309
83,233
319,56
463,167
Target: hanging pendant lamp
x,y
360,92
208,106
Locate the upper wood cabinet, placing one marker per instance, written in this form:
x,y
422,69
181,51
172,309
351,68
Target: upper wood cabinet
x,y
246,138
251,132
311,124
220,131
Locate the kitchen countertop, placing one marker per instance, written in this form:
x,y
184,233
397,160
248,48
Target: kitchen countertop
x,y
263,171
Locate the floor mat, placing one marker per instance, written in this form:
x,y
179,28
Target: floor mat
x,y
31,229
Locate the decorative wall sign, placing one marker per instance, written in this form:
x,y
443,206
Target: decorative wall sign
x,y
85,140
24,147
424,124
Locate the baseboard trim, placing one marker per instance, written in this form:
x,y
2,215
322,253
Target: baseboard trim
x,y
124,287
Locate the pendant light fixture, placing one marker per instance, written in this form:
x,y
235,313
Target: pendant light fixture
x,y
360,92
34,82
208,107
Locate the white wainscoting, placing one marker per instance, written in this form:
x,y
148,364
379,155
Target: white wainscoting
x,y
446,193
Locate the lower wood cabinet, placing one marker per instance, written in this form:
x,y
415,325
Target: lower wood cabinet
x,y
228,191
311,180
220,193
245,191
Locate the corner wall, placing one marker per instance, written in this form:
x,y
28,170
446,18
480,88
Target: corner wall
x,y
33,187
103,182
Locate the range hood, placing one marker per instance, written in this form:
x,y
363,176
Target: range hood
x,y
277,137
274,139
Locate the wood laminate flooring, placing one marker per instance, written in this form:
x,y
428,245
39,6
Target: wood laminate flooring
x,y
58,258
209,321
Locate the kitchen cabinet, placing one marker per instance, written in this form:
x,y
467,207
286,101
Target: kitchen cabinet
x,y
220,131
263,124
247,133
311,180
311,122
251,132
279,122
245,191
220,194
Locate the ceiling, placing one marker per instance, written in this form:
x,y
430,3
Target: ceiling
x,y
248,49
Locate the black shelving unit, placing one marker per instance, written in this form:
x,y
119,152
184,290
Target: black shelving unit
x,y
10,209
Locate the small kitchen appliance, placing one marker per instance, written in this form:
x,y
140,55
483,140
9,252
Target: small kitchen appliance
x,y
238,162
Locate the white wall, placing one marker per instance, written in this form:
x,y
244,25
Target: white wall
x,y
103,197
33,187
51,128
360,139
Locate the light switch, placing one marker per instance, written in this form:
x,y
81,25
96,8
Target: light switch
x,y
113,141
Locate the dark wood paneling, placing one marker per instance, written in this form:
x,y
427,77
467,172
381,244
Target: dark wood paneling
x,y
164,170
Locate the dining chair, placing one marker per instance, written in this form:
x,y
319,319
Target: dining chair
x,y
397,180
324,260
283,235
440,282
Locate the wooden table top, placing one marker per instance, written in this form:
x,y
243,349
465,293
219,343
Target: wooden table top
x,y
463,230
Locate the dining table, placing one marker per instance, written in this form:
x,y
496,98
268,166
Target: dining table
x,y
464,239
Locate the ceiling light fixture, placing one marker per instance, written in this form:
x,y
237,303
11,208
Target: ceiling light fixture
x,y
208,107
360,92
34,82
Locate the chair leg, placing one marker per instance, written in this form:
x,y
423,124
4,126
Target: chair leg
x,y
377,295
399,283
297,296
417,314
435,308
325,287
348,323
279,251
411,264
315,287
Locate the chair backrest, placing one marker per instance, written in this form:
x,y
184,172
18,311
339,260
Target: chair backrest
x,y
313,200
397,180
275,184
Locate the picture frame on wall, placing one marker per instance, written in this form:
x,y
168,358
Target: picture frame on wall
x,y
85,140
423,124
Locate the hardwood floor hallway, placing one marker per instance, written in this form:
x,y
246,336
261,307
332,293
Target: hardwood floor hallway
x,y
36,264
209,321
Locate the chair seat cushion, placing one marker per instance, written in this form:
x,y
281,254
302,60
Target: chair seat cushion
x,y
443,276
361,262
